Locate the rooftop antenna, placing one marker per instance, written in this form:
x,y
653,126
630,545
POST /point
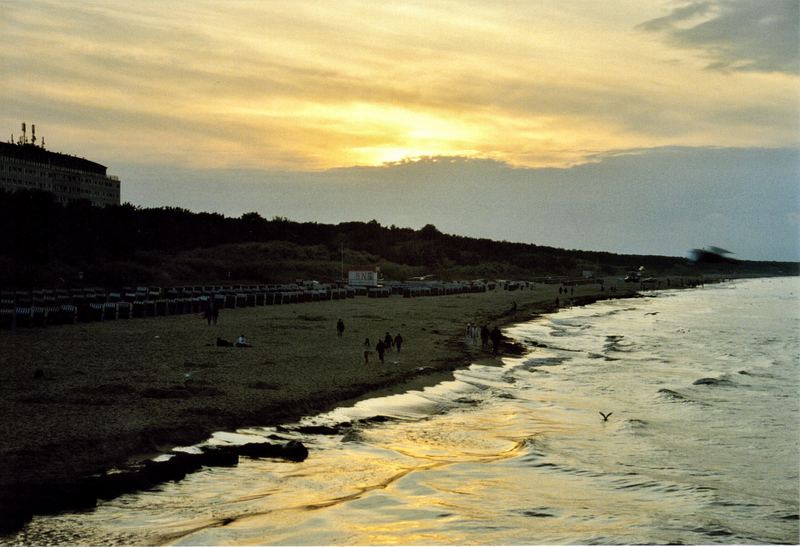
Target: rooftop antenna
x,y
33,134
24,134
42,142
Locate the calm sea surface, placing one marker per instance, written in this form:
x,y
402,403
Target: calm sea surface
x,y
702,445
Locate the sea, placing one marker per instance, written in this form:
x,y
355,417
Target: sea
x,y
701,444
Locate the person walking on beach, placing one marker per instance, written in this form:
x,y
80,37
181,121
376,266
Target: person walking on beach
x,y
380,348
214,314
388,342
340,327
484,337
398,341
496,336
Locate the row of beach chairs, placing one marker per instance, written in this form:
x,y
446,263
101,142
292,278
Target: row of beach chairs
x,y
26,309
15,316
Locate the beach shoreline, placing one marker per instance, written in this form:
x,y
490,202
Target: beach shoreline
x,y
114,394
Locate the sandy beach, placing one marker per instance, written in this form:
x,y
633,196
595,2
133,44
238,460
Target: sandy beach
x,y
117,392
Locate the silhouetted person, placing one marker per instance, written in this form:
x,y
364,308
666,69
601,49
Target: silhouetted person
x,y
495,336
484,337
514,307
557,303
380,348
388,342
398,341
340,327
211,314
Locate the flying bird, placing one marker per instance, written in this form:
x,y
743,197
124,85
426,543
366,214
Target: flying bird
x,y
605,416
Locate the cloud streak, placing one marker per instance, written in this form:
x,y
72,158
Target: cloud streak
x,y
736,35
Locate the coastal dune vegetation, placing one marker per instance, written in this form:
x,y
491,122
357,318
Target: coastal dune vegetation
x,y
48,244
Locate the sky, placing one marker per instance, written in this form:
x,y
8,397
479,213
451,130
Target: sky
x,y
625,125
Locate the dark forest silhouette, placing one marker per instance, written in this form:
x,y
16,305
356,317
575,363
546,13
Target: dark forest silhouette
x,y
45,243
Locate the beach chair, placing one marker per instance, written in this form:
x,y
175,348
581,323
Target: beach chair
x,y
96,312
110,311
7,318
39,316
69,314
23,317
124,310
54,315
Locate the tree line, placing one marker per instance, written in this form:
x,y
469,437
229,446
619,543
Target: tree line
x,y
46,243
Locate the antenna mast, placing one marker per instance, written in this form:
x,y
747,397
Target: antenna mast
x,y
24,134
33,134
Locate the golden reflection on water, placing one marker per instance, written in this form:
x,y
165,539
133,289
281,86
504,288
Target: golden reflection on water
x,y
520,457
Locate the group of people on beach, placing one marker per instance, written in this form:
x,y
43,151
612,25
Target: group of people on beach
x,y
386,344
241,342
474,332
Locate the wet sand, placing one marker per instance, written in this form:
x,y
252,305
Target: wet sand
x,y
117,392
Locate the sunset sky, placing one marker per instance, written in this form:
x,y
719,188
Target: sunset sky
x,y
246,95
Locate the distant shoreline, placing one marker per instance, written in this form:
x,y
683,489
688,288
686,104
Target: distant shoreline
x,y
115,393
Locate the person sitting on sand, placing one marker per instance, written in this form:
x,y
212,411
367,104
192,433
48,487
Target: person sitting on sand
x,y
380,348
398,341
241,342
